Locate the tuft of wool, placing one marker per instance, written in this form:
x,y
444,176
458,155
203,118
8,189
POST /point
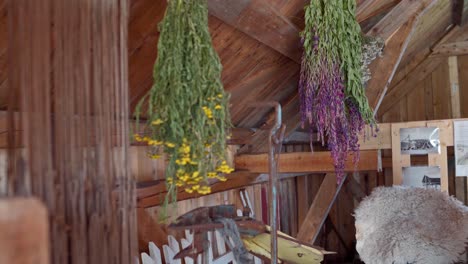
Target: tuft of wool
x,y
403,225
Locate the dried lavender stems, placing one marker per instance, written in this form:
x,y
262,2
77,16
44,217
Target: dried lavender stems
x,y
331,86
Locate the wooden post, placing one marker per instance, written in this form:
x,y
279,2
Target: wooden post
x,y
454,86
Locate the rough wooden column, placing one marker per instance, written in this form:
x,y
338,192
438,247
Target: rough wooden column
x,y
68,66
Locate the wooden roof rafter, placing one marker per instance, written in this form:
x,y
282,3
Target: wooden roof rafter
x,y
428,64
396,28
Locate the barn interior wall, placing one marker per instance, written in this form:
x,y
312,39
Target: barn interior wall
x,y
430,99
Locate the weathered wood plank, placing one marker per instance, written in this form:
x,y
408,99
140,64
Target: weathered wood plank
x,y
463,89
400,90
454,86
451,49
428,101
370,8
319,209
441,91
402,13
302,162
384,68
259,20
415,104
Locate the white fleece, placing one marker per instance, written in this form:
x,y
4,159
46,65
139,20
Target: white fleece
x,y
400,225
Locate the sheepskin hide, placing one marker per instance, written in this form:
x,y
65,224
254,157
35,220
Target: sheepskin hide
x,y
399,225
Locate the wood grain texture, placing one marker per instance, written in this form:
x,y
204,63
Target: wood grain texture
x,y
72,160
384,68
259,20
441,99
24,238
463,79
319,209
305,162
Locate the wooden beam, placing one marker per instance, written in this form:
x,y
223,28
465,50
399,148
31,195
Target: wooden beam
x,y
319,209
402,13
418,73
383,69
239,136
451,49
396,29
153,193
304,162
371,8
259,20
291,119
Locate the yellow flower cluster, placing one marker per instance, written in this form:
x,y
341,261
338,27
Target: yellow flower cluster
x,y
224,168
215,175
208,112
149,141
200,189
157,122
191,182
184,155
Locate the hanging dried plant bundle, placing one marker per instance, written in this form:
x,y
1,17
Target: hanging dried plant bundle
x,y
371,49
188,115
331,82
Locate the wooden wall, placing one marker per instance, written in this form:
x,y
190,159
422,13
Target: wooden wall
x,y
430,99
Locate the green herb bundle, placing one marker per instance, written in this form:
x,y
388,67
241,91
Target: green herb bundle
x,y
331,86
188,115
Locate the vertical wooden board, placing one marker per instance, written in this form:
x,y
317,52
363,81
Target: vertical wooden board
x,y
461,190
416,107
463,82
143,168
428,101
392,115
398,160
441,92
302,198
445,133
283,206
451,175
403,107
258,201
454,86
293,207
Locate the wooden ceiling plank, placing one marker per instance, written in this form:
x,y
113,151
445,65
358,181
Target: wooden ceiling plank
x,y
318,211
291,120
261,21
371,8
383,69
412,79
451,49
419,72
403,12
396,28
